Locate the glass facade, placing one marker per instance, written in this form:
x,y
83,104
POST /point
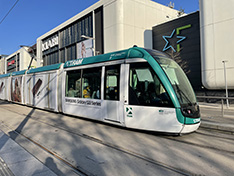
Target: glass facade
x,y
62,45
72,33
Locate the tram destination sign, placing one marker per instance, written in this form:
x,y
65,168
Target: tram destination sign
x,y
83,102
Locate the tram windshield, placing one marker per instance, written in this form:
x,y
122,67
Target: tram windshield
x,y
177,77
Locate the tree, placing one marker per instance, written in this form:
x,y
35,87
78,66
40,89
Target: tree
x,y
177,58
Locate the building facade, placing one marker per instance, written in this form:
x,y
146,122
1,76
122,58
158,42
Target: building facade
x,y
106,26
217,41
19,60
180,38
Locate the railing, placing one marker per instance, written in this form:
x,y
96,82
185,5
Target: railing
x,y
217,98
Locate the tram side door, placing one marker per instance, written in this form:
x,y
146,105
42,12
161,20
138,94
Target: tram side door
x,y
113,93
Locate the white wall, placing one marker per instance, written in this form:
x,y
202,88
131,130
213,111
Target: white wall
x,y
26,59
2,65
130,22
217,42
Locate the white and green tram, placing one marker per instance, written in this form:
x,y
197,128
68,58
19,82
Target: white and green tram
x,y
135,88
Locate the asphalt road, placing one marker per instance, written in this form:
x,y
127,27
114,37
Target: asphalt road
x,y
64,143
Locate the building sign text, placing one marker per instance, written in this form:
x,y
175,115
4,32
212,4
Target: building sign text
x,y
50,43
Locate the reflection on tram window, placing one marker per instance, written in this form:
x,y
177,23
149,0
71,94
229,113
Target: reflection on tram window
x,y
84,83
73,81
145,87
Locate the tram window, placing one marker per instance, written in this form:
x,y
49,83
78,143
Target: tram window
x,y
73,83
112,77
91,83
145,87
85,85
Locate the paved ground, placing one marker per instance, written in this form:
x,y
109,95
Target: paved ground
x,y
21,162
15,160
213,116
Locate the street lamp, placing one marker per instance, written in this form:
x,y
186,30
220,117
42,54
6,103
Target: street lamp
x,y
225,78
87,37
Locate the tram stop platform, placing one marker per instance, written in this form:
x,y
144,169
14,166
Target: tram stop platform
x,y
16,161
213,117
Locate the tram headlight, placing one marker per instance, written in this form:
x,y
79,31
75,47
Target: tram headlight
x,y
191,111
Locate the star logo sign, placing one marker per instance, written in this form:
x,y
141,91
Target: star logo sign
x,y
180,38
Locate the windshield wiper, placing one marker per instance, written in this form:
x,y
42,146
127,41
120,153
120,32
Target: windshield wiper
x,y
182,93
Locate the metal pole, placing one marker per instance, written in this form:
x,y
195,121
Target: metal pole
x,y
225,78
29,66
94,34
222,108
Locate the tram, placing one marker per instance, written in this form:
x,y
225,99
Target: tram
x,y
135,88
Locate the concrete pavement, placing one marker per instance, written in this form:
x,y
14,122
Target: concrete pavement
x,y
15,160
212,117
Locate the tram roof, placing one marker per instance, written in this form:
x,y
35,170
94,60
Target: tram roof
x,y
22,72
45,68
5,75
134,52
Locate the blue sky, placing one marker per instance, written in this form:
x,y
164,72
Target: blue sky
x,y
30,19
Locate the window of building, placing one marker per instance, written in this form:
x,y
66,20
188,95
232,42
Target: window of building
x,y
52,58
62,56
71,52
145,87
112,81
72,33
99,34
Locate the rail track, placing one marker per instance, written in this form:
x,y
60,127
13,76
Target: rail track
x,y
81,171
